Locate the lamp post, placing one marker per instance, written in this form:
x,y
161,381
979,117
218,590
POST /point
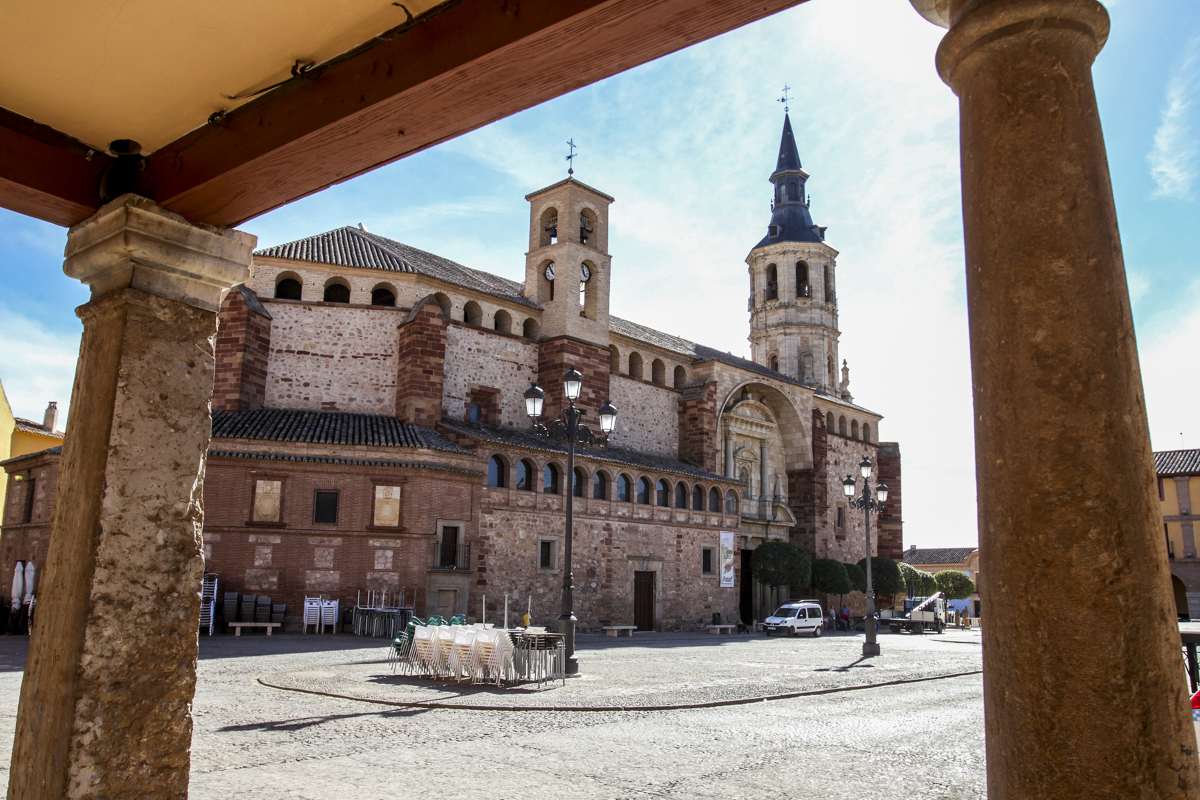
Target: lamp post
x,y
568,429
868,503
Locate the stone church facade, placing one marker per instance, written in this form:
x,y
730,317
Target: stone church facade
x,y
369,428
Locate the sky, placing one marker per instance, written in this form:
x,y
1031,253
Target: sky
x,y
686,143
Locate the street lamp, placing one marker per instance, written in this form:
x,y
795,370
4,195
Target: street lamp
x,y
868,503
567,428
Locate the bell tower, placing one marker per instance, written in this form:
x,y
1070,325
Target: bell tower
x,y
793,291
567,273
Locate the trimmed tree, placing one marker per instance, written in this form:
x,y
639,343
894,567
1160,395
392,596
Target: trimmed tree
x,y
917,582
858,578
830,576
954,585
781,564
885,575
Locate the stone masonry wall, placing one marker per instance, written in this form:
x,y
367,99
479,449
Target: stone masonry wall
x,y
647,416
242,353
333,357
845,543
476,357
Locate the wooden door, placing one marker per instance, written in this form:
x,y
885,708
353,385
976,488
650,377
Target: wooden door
x,y
643,600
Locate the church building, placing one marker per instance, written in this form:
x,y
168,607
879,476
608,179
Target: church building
x,y
369,428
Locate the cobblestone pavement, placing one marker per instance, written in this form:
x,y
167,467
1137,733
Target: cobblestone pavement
x,y
913,740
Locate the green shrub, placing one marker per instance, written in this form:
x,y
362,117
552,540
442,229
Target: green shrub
x,y
885,576
830,576
858,578
782,564
954,585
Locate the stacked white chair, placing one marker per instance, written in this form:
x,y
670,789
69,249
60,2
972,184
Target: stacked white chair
x,y
312,614
444,641
421,654
208,602
459,661
329,615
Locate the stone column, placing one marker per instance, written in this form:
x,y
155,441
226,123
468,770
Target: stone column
x,y
105,705
764,475
1083,686
730,471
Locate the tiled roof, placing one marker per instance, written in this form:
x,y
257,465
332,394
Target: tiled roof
x,y
1177,462
615,455
937,555
29,426
325,427
49,451
358,462
354,247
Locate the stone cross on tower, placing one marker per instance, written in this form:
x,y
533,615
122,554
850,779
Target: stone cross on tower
x,y
785,97
571,156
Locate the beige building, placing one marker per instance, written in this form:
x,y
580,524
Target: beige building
x,y
1178,495
961,559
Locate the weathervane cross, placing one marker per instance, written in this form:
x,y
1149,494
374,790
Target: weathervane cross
x,y
785,97
571,156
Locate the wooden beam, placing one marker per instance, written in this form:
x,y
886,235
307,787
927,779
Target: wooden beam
x,y
461,66
47,174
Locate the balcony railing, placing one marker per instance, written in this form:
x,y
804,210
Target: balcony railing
x,y
449,560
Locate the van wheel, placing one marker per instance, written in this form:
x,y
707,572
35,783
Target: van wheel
x,y
795,631
816,631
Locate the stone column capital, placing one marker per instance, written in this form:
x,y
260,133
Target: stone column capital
x,y
131,242
976,25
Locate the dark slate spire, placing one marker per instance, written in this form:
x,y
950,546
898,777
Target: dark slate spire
x,y
790,218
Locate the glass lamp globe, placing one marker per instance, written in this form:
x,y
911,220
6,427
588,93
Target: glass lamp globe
x,y
848,486
608,417
881,492
864,467
572,384
534,397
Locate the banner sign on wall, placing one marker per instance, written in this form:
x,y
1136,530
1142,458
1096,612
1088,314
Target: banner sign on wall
x,y
727,571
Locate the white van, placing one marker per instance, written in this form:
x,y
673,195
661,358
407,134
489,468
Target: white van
x,y
796,618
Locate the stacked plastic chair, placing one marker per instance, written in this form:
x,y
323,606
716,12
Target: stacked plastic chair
x,y
208,602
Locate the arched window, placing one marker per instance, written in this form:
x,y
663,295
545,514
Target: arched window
x,y
658,372
829,422
802,287
624,488
806,367
530,329
443,301
841,426
731,502
854,429
793,190
697,498
502,322
614,360
714,500
287,287
662,493
579,485
772,292
680,377
382,295
635,365
473,314
550,479
337,291
866,431
587,227
681,495
773,362
497,476
643,491
830,294
600,485
525,473
744,477
548,233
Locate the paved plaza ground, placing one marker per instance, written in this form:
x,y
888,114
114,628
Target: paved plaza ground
x,y
304,717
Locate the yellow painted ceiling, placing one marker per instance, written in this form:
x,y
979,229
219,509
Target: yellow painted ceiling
x,y
152,70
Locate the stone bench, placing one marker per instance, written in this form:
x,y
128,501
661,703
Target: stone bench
x,y
717,630
237,626
616,630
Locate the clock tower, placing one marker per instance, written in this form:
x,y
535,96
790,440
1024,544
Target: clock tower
x,y
567,272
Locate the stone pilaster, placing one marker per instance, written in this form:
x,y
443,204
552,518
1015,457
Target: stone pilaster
x,y
422,350
243,351
1069,527
890,531
106,701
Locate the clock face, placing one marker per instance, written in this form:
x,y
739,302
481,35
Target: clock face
x,y
549,272
585,273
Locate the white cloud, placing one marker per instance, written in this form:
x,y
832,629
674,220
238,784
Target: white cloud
x,y
1167,350
1174,158
39,365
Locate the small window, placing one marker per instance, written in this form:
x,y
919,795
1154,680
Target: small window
x,y
473,314
579,483
546,554
680,377
502,322
773,362
325,508
829,422
387,507
383,296
662,494
529,329
658,372
697,498
854,429
706,561
497,472
448,546
624,489
841,426
714,500
474,413
635,366
550,479
337,293
587,226
772,292
1162,495
525,473
802,288
731,502
267,495
287,289
830,294
600,486
681,495
866,432
30,498
643,491
841,518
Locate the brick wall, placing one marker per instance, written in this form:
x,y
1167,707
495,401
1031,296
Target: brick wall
x,y
422,353
557,355
698,426
477,357
891,530
242,352
21,541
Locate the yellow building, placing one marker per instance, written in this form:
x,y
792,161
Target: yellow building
x,y
21,436
961,559
1178,494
